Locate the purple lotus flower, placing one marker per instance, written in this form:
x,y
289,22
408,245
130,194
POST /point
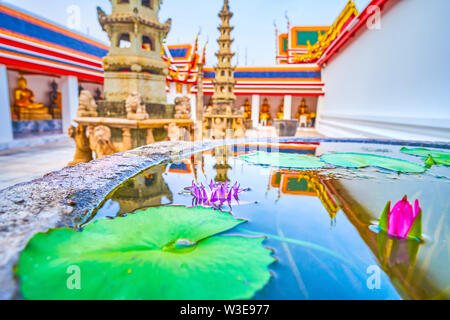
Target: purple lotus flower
x,y
403,220
217,195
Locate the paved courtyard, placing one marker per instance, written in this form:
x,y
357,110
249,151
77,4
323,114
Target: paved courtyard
x,y
20,165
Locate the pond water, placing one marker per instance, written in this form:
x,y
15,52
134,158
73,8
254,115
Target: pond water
x,y
320,223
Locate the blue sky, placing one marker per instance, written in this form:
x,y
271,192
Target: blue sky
x,y
253,20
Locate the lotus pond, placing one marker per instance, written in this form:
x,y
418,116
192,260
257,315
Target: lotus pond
x,y
279,221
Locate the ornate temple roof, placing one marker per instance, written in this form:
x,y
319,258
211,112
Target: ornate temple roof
x,y
317,44
306,44
182,61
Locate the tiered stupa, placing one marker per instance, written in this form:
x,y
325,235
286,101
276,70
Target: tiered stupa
x,y
224,81
134,61
221,119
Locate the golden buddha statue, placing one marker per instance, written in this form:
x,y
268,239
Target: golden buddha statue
x,y
280,113
247,110
302,110
264,115
24,106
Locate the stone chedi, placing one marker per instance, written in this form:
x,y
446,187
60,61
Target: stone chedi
x,y
224,82
134,110
222,119
134,62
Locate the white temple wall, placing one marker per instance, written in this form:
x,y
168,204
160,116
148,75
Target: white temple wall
x,y
393,82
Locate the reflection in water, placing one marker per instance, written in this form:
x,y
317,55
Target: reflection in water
x,y
147,189
393,252
414,267
304,183
294,212
221,155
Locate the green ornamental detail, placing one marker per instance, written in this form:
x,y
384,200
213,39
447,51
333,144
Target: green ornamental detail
x,y
361,160
431,157
160,253
284,160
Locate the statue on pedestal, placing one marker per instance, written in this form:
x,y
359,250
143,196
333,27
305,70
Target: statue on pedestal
x,y
55,100
264,116
24,106
302,110
86,105
280,113
135,108
247,110
182,108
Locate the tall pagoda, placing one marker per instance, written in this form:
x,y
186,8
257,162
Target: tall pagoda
x,y
222,119
134,62
224,81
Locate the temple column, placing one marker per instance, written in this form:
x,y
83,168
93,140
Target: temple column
x,y
69,101
6,130
256,101
193,107
287,107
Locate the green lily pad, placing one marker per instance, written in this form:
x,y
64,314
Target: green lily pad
x,y
284,160
361,160
160,253
437,156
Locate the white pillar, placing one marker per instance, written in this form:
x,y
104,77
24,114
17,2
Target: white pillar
x,y
69,97
193,107
6,130
319,110
172,93
287,107
256,99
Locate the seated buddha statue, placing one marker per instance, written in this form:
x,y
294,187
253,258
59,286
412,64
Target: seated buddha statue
x,y
264,114
280,113
247,110
302,110
25,107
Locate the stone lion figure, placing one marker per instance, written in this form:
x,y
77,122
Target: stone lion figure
x,y
135,108
100,141
182,108
173,132
86,105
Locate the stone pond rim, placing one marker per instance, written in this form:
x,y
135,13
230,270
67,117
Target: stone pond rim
x,y
64,198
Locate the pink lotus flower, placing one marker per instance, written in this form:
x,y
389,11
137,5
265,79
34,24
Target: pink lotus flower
x,y
217,195
403,220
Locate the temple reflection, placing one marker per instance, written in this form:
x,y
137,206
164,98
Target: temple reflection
x,y
304,183
147,189
221,154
